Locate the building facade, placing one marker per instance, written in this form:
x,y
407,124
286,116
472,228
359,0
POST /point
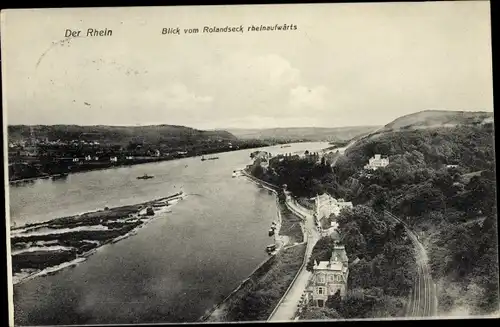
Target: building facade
x,y
377,161
329,278
326,205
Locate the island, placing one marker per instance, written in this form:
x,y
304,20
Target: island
x,y
43,248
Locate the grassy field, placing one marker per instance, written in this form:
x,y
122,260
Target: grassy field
x,y
290,225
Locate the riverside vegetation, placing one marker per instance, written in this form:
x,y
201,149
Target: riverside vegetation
x,y
453,209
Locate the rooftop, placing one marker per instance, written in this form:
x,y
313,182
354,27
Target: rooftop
x,y
326,265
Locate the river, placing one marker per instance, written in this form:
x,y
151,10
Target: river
x,y
176,267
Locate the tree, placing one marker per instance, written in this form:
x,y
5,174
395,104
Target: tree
x,y
320,314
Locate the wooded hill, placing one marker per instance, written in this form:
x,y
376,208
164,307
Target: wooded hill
x,y
453,209
429,119
119,135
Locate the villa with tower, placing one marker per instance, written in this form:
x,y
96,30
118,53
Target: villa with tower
x,y
329,278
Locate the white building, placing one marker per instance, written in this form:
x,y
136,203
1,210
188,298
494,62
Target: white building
x,y
377,162
88,157
113,159
327,205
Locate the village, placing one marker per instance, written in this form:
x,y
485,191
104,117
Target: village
x,y
329,278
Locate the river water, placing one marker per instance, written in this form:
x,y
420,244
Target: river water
x,y
176,267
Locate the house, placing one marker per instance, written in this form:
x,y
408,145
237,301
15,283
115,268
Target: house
x,y
157,153
451,166
329,277
88,157
129,157
76,159
327,205
113,159
377,161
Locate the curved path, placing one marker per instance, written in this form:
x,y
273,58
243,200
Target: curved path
x,y
287,308
423,299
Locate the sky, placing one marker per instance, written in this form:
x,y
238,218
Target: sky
x,y
344,65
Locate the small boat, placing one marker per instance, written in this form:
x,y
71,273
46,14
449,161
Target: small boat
x,y
271,232
145,176
271,248
209,158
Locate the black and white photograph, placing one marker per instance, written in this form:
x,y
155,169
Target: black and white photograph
x,y
249,163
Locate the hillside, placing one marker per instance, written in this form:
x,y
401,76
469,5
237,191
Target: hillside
x,y
303,133
431,119
452,209
117,134
437,118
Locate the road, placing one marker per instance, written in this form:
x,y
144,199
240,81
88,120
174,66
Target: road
x,y
287,308
422,300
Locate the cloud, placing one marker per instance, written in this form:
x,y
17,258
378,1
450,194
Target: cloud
x,y
175,96
279,71
179,95
308,98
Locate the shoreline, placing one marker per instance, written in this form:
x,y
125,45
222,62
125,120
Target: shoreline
x,y
138,162
241,285
136,218
262,271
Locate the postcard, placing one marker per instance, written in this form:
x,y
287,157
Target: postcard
x,y
247,163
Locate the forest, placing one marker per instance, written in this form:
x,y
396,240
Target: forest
x,y
382,265
453,208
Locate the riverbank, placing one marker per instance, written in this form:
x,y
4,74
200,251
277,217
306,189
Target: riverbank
x,y
44,248
93,166
257,296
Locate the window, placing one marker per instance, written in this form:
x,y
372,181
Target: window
x,y
339,278
321,290
331,278
321,279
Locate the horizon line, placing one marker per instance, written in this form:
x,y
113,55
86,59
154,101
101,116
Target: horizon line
x,y
186,126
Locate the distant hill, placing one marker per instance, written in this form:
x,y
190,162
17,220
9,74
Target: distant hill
x,y
118,134
436,132
438,118
334,134
429,119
